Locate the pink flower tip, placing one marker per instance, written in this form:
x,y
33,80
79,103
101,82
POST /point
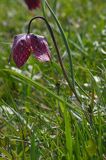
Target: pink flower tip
x,y
25,44
40,48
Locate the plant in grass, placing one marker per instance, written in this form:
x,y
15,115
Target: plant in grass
x,y
71,137
24,44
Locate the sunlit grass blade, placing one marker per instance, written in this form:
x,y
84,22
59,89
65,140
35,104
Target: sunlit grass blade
x,y
68,134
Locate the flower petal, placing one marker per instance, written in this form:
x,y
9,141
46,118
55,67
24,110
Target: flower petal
x,y
21,49
40,48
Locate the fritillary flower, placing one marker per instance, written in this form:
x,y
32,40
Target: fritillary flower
x,y
26,44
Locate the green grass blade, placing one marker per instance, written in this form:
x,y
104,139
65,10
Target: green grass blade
x,y
43,7
32,150
5,153
65,42
68,136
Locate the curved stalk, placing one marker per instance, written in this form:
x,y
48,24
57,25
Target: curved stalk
x,y
65,42
57,50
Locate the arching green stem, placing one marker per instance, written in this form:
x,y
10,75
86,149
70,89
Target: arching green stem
x,y
57,50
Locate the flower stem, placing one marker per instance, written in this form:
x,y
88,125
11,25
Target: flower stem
x,y
57,50
63,36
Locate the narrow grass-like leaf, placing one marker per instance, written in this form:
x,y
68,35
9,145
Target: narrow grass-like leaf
x,y
65,42
68,134
5,153
43,7
33,150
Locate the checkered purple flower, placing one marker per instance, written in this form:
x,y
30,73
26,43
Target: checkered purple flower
x,y
26,44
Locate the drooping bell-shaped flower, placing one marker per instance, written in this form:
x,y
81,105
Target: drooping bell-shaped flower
x,y
25,44
40,47
33,4
21,49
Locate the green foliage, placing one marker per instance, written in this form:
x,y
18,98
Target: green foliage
x,y
39,116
